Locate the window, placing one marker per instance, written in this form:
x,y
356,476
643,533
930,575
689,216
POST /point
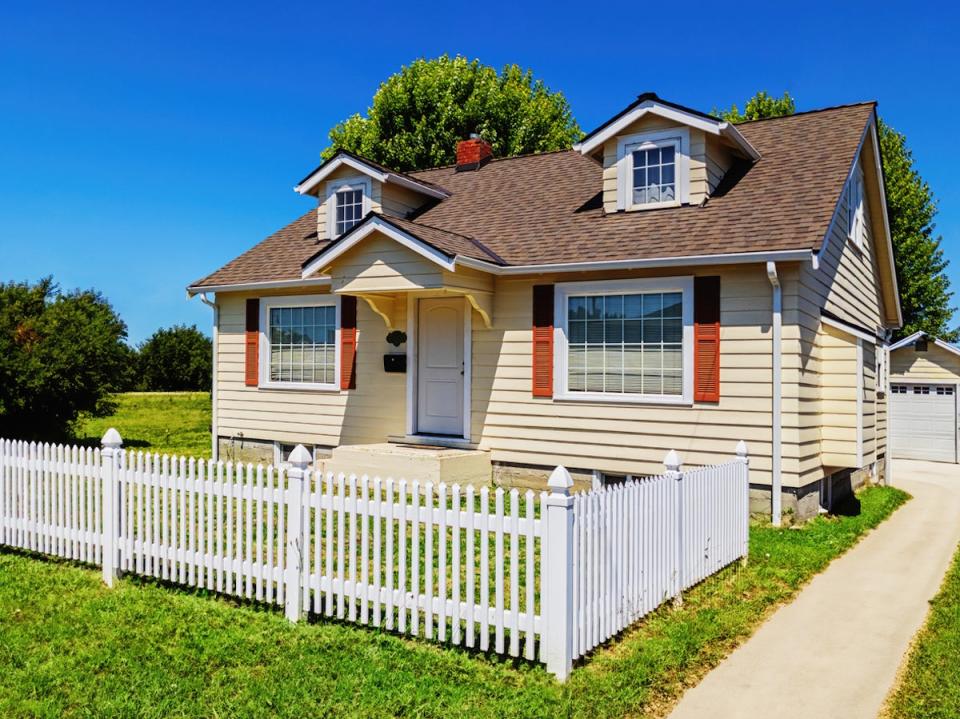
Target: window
x,y
625,340
349,206
898,389
652,169
348,202
945,390
654,173
856,224
300,342
921,389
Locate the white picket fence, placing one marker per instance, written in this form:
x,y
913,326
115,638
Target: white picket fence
x,y
545,575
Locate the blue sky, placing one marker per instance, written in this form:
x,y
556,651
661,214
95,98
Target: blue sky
x,y
142,145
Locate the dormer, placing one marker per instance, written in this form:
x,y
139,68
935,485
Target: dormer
x,y
349,187
657,154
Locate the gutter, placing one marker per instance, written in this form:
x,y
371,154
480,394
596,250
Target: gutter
x,y
213,378
253,286
776,408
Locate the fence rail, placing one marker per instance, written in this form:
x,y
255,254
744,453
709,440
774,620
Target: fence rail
x,y
544,575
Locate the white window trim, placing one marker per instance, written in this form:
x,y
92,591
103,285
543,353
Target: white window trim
x,y
266,303
625,147
856,213
345,183
564,290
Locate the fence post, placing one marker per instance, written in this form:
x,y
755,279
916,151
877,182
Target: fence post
x,y
557,572
672,464
300,460
110,496
744,460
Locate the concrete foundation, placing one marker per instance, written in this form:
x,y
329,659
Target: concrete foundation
x,y
412,462
526,476
241,449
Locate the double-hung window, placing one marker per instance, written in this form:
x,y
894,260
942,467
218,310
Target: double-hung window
x,y
856,221
347,204
652,170
625,340
299,342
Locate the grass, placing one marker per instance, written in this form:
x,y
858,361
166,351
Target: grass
x,y
930,682
164,422
70,647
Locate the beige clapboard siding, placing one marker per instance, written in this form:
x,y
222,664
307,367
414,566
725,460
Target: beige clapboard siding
x,y
367,414
624,438
324,205
934,364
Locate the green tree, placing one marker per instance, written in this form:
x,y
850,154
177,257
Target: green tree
x,y
420,113
176,359
60,354
925,294
760,106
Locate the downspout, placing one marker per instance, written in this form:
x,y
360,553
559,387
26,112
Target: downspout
x,y
777,352
213,378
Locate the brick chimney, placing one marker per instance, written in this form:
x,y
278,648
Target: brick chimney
x,y
473,154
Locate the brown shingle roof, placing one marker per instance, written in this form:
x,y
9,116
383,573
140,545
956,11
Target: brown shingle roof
x,y
546,208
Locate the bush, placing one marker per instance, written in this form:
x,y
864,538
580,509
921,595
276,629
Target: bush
x,y
60,354
176,359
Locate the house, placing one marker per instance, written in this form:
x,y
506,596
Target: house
x,y
672,281
924,383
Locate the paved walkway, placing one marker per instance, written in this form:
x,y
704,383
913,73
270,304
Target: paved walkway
x,y
835,651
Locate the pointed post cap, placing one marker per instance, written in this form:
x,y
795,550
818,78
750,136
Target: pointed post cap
x,y
742,449
111,439
300,457
672,461
560,480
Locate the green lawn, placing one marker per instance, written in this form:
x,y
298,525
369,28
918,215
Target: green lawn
x,y
165,422
930,684
70,647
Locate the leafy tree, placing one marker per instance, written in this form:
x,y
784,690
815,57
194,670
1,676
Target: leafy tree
x,y
921,268
760,106
420,113
176,359
60,354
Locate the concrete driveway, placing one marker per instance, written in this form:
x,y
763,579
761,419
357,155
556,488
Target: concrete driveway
x,y
835,650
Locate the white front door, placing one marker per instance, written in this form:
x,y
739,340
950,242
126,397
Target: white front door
x,y
440,366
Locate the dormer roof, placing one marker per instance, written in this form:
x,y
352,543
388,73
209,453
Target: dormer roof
x,y
649,104
310,184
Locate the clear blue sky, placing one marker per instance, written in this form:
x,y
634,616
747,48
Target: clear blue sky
x,y
142,145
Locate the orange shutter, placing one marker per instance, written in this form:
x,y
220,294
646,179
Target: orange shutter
x,y
543,341
348,342
252,343
706,339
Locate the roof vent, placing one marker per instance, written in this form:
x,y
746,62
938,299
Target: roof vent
x,y
473,154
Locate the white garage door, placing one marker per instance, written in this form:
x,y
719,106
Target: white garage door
x,y
923,421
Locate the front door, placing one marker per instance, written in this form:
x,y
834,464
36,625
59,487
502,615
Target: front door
x,y
440,366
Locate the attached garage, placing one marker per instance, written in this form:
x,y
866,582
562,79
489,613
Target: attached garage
x,y
923,399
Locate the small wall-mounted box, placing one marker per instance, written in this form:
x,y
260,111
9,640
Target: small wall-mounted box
x,y
394,363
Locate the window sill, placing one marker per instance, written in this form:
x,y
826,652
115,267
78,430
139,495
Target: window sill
x,y
300,386
652,206
587,398
858,247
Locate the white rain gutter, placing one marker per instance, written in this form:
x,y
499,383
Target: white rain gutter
x,y
776,411
213,377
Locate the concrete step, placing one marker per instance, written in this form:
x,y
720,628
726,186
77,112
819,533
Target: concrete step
x,y
422,463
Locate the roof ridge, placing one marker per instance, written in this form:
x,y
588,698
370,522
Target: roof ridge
x,y
809,112
414,173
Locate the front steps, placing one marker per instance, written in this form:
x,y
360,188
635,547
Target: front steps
x,y
422,463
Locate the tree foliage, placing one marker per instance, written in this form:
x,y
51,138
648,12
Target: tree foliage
x,y
420,113
925,294
176,359
60,354
761,106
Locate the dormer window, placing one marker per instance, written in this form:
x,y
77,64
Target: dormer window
x,y
348,202
654,172
652,169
